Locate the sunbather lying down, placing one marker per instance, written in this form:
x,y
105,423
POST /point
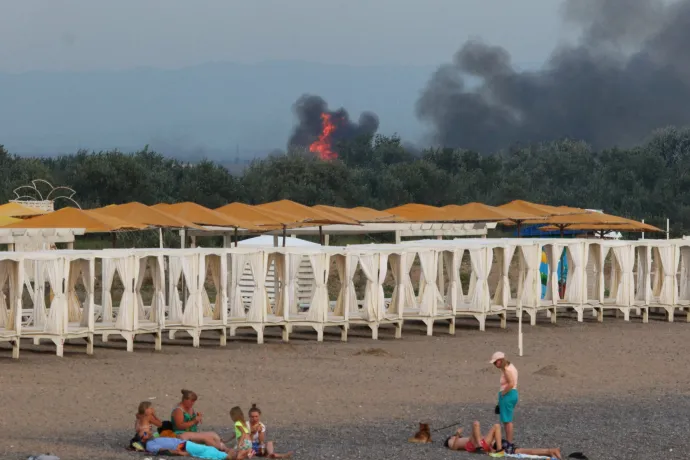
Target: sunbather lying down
x,y
491,443
176,446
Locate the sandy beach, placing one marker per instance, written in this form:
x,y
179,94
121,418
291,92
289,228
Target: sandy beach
x,y
613,390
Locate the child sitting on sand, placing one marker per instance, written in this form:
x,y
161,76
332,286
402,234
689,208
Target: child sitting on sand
x,y
146,421
261,447
242,437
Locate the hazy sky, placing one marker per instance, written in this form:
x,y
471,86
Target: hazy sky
x,y
95,34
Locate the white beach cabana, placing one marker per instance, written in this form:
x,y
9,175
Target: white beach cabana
x,y
190,308
617,291
11,288
52,309
119,308
256,275
373,263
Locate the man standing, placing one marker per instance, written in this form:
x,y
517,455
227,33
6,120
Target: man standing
x,y
507,395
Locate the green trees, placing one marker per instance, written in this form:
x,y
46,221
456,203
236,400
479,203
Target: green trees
x,y
650,181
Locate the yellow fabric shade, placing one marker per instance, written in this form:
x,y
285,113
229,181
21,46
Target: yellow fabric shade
x,y
141,214
299,213
18,210
5,220
626,225
414,212
479,212
360,214
91,222
203,216
253,214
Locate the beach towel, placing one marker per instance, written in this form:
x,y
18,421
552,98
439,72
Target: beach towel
x,y
541,457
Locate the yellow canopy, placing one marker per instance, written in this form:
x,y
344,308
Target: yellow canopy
x,y
18,210
5,220
142,214
300,214
77,218
614,223
479,212
360,214
589,218
539,210
253,214
203,216
414,212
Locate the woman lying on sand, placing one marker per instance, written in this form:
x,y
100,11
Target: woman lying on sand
x,y
176,446
491,443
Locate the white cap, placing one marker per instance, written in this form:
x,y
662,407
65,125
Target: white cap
x,y
496,356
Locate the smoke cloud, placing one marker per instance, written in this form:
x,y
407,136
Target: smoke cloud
x,y
628,74
308,110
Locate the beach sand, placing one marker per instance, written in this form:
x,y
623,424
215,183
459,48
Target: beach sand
x,y
614,389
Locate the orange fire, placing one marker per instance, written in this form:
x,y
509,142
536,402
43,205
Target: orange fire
x,y
323,145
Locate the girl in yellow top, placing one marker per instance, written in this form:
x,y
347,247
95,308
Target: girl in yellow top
x,y
244,441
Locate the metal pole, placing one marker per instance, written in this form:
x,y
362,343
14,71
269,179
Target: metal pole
x,y
643,232
284,234
668,228
160,237
519,307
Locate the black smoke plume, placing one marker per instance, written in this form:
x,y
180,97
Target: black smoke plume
x,y
627,75
308,110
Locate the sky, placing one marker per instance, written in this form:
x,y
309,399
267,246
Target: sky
x,y
85,35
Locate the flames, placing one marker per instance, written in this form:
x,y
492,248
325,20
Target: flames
x,y
323,146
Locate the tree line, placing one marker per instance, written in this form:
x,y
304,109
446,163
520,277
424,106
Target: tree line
x,y
650,181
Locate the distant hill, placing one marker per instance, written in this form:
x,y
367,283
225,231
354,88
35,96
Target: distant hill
x,y
203,111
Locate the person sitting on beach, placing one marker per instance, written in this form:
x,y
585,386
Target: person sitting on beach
x,y
146,420
490,443
186,423
242,437
260,446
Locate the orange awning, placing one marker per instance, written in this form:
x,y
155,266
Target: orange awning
x,y
606,228
252,214
598,221
300,214
91,222
203,216
360,214
5,220
542,211
414,212
479,212
591,218
18,210
142,214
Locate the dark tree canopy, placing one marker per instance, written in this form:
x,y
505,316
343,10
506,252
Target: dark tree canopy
x,y
650,181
